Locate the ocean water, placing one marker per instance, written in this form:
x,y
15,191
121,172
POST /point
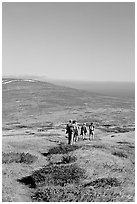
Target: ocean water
x,y
114,89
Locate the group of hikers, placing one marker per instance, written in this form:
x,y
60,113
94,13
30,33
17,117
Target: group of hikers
x,y
72,129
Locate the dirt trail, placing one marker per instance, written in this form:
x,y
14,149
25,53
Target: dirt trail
x,y
22,194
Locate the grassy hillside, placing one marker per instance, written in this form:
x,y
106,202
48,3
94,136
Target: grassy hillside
x,y
27,102
39,166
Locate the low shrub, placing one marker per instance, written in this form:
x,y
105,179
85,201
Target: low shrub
x,y
61,149
111,195
131,146
21,126
119,129
63,194
68,159
120,154
54,175
99,146
123,142
113,167
103,182
18,158
78,193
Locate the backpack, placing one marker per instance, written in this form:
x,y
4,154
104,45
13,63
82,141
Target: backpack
x,y
71,128
85,129
91,127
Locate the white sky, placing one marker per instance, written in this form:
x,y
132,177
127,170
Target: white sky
x,y
70,41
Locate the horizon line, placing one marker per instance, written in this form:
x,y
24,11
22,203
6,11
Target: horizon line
x,y
44,77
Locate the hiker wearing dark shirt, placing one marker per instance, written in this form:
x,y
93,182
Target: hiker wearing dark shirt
x,y
83,130
68,126
69,131
91,131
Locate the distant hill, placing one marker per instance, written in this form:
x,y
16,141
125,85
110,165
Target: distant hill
x,y
114,89
34,77
29,101
25,97
43,91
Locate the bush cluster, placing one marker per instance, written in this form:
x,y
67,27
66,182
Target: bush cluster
x,y
103,182
64,194
120,154
18,158
68,159
96,191
55,175
61,149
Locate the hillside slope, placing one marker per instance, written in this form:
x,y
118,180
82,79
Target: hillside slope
x,y
26,101
38,165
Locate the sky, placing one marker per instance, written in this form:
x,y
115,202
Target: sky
x,y
69,41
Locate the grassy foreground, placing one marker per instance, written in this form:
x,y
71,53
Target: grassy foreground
x,y
98,171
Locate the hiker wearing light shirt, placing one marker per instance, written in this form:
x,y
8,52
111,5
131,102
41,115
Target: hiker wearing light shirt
x,y
83,130
75,132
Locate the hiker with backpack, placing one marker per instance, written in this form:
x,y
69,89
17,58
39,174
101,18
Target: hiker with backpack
x,y
70,131
91,131
83,131
75,131
68,125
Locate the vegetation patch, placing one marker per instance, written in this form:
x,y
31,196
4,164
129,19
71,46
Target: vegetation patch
x,y
80,193
107,125
99,146
18,158
112,194
113,167
61,149
28,180
64,194
123,142
119,154
7,128
103,182
131,146
119,129
54,174
21,126
68,159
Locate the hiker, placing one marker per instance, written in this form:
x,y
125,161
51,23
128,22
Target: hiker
x,y
83,131
68,125
91,131
69,131
75,131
